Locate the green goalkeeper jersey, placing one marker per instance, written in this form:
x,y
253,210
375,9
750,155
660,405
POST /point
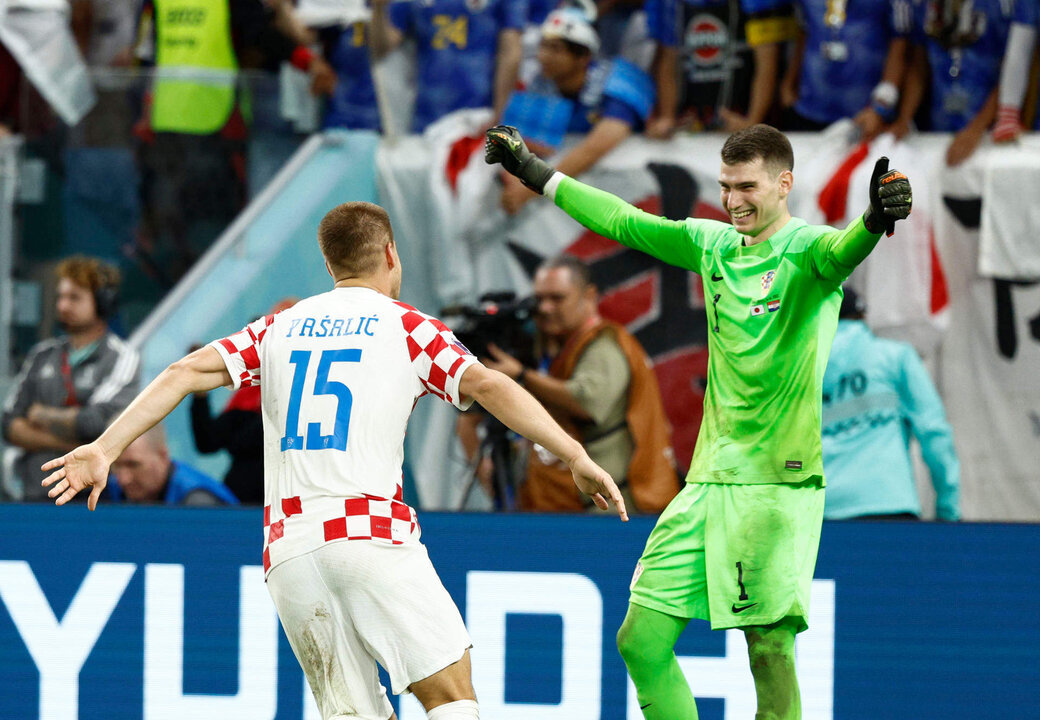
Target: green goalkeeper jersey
x,y
772,312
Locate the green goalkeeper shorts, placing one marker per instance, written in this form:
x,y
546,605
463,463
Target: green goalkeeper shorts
x,y
735,555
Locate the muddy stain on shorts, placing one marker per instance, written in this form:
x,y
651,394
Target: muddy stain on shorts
x,y
318,658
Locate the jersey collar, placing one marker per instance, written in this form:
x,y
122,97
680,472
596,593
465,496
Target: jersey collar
x,y
765,247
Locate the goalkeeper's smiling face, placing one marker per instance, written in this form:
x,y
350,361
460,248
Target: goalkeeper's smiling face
x,y
755,196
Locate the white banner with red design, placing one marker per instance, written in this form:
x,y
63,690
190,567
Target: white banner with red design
x,y
457,244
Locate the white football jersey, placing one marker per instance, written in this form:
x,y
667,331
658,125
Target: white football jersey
x,y
340,373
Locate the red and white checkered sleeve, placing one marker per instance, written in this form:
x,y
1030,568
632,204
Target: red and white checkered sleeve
x,y
241,352
439,359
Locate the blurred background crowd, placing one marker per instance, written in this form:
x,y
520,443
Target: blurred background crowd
x,y
141,129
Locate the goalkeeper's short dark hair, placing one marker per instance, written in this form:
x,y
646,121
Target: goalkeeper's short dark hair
x,y
759,141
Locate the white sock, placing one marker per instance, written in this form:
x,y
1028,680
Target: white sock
x,y
458,710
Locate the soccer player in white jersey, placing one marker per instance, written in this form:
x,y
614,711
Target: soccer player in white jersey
x,y
340,373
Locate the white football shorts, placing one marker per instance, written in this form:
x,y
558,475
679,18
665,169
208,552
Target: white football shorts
x,y
353,603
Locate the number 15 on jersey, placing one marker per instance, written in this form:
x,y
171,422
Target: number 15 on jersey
x,y
300,359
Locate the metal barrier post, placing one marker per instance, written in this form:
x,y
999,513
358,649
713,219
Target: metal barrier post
x,y
9,149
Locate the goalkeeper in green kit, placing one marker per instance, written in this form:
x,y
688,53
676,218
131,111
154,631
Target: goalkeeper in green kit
x,y
737,546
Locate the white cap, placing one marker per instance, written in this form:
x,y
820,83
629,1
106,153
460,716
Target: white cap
x,y
570,24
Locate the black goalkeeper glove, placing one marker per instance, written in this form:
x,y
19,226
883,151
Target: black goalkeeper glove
x,y
503,144
890,199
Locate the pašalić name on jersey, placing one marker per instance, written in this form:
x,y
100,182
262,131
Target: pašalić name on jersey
x,y
329,326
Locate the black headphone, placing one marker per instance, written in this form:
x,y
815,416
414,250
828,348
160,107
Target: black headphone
x,y
106,296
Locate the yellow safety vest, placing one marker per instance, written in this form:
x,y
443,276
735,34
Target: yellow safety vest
x,y
194,90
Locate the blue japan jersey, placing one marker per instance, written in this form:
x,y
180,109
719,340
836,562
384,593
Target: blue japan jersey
x,y
538,10
613,89
353,102
714,39
965,48
845,48
457,41
664,18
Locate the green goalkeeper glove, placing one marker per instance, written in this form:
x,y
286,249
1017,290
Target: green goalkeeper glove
x,y
503,144
890,199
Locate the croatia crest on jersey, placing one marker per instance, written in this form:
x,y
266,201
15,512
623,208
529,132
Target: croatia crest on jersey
x,y
767,280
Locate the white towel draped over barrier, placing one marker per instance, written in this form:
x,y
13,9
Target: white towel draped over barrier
x,y
1010,242
37,34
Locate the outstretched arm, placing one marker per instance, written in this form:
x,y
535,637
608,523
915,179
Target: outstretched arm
x,y
87,465
606,135
519,411
674,242
838,254
671,241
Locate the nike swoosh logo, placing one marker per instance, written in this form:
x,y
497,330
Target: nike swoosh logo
x,y
737,610
716,278
644,707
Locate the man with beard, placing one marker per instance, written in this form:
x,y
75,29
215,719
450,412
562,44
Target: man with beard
x,y
597,382
69,387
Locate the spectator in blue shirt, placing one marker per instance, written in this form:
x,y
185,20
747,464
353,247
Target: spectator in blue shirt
x,y
145,473
876,394
849,63
468,51
1014,75
607,100
717,62
352,102
960,46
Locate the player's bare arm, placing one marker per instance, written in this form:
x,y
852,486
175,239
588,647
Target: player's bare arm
x,y
88,465
519,411
384,36
508,56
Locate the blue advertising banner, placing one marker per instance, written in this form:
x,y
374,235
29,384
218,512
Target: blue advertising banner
x,y
162,613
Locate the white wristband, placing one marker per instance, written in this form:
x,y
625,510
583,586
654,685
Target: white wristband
x,y
554,182
885,94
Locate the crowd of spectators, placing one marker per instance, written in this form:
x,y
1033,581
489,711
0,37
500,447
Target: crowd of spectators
x,y
714,64
601,71
598,71
897,65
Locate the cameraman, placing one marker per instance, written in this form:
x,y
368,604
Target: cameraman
x,y
598,384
